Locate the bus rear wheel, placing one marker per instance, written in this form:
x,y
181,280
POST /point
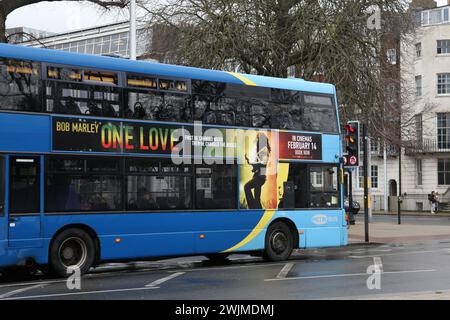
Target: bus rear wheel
x,y
279,242
72,249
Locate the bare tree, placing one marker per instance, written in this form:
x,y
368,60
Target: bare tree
x,y
329,39
8,6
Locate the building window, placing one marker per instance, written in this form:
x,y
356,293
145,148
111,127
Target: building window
x,y
418,86
425,18
391,93
435,16
392,56
443,83
443,130
419,128
419,172
374,177
374,146
444,171
443,46
291,72
361,177
418,50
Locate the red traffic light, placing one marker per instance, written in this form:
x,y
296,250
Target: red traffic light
x,y
349,128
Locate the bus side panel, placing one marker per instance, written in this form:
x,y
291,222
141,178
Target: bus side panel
x,y
24,133
316,228
160,234
331,148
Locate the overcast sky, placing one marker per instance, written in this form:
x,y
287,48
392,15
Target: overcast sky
x,y
64,16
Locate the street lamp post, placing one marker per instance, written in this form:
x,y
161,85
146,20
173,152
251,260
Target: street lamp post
x,y
132,30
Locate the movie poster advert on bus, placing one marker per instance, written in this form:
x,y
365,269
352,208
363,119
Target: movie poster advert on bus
x,y
93,135
300,146
89,135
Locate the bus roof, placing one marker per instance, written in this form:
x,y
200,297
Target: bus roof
x,y
152,68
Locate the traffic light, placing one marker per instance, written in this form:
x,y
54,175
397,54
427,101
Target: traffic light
x,y
351,152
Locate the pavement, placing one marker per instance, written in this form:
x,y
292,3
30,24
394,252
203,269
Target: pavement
x,y
385,229
411,213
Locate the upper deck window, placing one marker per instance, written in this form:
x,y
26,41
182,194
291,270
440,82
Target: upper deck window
x,y
173,85
64,74
320,113
142,82
19,85
101,76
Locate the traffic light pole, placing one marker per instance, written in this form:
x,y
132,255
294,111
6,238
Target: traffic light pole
x,y
366,187
351,218
399,199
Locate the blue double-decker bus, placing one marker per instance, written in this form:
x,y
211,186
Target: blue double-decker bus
x,y
106,159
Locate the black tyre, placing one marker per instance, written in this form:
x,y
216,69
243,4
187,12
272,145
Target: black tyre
x,y
279,242
72,248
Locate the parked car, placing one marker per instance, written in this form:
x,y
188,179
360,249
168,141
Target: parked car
x,y
356,206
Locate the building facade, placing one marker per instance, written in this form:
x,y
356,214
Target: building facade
x,y
413,65
426,73
111,39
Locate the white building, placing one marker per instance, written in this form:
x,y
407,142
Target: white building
x,y
425,166
425,69
111,39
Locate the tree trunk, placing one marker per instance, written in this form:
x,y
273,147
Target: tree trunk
x,y
2,26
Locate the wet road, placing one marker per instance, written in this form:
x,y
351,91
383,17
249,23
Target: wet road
x,y
335,273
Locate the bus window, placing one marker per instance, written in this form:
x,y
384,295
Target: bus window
x,y
294,191
93,185
214,110
2,186
320,113
168,190
158,106
78,99
215,187
324,187
24,185
19,86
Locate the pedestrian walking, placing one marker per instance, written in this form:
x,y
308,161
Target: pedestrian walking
x,y
432,199
436,203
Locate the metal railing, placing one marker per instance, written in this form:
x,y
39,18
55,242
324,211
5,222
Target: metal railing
x,y
426,146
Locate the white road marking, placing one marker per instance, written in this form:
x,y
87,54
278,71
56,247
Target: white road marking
x,y
81,293
14,292
16,284
162,280
284,272
230,267
347,275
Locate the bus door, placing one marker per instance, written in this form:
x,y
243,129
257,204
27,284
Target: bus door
x,y
2,199
24,207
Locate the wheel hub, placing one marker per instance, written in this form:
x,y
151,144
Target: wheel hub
x,y
279,242
73,252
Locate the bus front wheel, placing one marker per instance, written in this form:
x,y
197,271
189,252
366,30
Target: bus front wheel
x,y
279,242
72,249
